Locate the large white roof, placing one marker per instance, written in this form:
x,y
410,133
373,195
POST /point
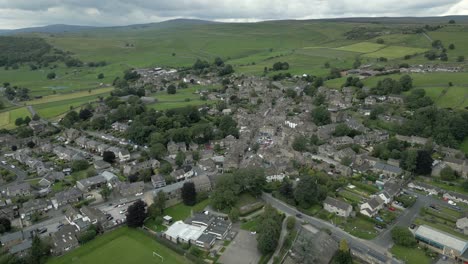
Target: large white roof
x,y
442,238
184,231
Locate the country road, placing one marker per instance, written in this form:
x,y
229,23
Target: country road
x,y
369,247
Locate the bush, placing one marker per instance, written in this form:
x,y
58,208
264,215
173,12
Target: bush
x,y
291,222
403,237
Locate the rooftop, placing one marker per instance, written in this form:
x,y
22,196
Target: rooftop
x,y
443,238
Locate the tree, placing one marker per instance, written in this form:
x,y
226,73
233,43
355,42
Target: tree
x,y
423,162
79,165
158,151
234,214
100,76
5,225
451,46
14,148
460,58
306,192
406,82
286,189
171,89
31,144
290,222
451,21
51,75
26,120
218,61
269,229
448,174
344,254
300,143
136,214
108,156
157,208
36,117
180,158
189,194
85,114
38,252
105,192
380,41
19,121
321,116
403,237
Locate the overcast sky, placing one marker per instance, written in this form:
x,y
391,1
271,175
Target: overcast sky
x,y
27,13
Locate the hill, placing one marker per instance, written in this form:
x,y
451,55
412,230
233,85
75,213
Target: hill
x,y
309,46
51,29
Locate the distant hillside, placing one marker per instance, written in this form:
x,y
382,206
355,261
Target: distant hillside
x,y
51,29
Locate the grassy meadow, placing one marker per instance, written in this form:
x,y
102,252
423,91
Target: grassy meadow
x,y
123,245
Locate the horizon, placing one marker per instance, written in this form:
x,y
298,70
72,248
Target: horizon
x,y
232,22
24,14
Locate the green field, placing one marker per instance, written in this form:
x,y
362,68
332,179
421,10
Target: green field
x,y
183,97
7,119
394,52
410,255
182,211
363,47
124,246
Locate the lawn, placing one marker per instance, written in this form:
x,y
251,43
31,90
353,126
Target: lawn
x,y
410,255
363,47
361,227
54,109
123,245
183,97
250,225
182,211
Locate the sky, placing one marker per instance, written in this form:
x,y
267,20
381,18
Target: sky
x,y
29,13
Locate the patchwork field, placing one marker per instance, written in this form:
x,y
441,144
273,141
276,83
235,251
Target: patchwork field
x,y
121,246
7,119
394,52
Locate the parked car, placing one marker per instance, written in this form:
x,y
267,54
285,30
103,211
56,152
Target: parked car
x,y
391,209
379,226
452,202
59,226
412,226
42,230
12,166
378,218
298,215
3,162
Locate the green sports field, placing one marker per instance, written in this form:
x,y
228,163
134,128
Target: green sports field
x,y
122,246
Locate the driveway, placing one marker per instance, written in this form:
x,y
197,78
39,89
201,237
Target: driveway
x,y
243,249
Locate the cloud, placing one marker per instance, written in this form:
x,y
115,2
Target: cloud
x,y
24,13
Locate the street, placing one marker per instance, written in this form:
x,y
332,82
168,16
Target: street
x,y
358,244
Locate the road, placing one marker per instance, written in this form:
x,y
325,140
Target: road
x,y
284,233
368,247
384,239
20,174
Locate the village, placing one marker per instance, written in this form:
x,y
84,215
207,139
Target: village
x,y
67,180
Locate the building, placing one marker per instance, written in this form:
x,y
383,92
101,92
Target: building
x,y
22,248
64,240
22,189
387,169
202,183
88,184
337,207
372,207
462,224
158,181
215,225
457,197
180,232
95,215
69,196
134,167
421,186
131,189
442,242
33,206
12,239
